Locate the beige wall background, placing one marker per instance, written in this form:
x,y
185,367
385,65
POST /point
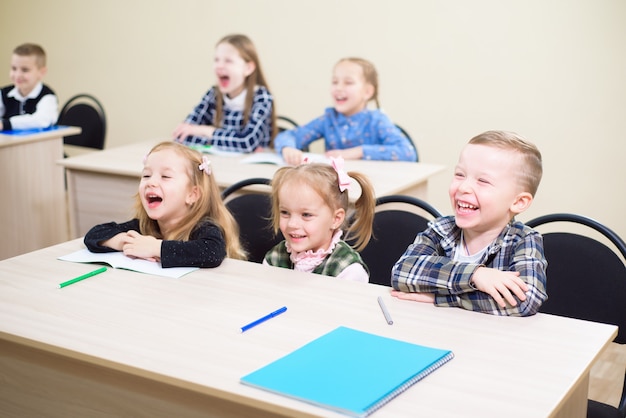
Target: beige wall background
x,y
553,71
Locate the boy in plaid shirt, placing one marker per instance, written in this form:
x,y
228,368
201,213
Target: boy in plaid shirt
x,y
481,258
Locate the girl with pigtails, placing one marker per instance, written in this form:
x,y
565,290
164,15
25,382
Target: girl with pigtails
x,y
310,207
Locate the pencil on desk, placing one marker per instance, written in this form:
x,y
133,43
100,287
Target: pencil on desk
x,y
385,311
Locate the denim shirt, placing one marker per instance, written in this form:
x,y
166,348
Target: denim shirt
x,y
371,129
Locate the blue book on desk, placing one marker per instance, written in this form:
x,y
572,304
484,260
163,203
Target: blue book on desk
x,y
349,371
22,132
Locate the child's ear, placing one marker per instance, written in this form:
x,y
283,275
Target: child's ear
x,y
340,215
193,195
369,91
250,67
522,202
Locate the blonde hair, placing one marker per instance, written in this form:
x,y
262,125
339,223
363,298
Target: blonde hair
x,y
208,206
27,50
531,168
324,180
369,73
248,53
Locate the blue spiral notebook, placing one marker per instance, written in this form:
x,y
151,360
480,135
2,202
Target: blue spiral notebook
x,y
349,371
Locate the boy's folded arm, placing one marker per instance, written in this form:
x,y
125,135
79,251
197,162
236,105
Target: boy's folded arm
x,y
434,274
451,281
532,273
45,115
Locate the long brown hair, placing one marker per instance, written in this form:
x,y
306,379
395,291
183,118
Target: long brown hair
x,y
208,206
248,53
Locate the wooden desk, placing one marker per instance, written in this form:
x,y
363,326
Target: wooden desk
x,y
130,344
102,184
33,213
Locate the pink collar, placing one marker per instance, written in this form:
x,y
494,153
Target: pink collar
x,y
307,260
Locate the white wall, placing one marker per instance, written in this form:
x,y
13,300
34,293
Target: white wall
x,y
554,71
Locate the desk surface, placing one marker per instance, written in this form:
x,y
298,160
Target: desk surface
x,y
33,135
185,332
127,161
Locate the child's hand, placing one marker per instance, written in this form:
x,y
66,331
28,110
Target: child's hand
x,y
292,156
142,246
117,242
355,153
184,130
499,285
417,297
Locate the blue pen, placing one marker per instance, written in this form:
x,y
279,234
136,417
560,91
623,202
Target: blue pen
x,y
261,320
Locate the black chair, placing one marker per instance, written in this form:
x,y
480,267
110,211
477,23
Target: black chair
x,y
405,133
252,210
284,123
87,112
586,280
394,229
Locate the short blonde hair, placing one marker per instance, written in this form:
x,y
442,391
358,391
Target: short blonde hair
x,y
531,168
28,50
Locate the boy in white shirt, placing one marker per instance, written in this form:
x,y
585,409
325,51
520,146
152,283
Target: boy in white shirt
x,y
28,103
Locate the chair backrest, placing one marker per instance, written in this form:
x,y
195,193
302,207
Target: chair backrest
x,y
252,210
405,133
586,279
87,112
394,229
285,123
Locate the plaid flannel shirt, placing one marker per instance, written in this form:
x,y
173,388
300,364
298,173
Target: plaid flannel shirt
x,y
232,134
428,266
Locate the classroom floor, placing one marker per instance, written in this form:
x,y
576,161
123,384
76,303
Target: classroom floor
x,y
607,375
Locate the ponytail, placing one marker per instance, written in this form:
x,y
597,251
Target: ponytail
x,y
360,228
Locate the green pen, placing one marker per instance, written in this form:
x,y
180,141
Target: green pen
x,y
83,277
202,148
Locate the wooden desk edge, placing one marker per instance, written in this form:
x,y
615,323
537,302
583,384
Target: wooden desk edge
x,y
8,140
11,345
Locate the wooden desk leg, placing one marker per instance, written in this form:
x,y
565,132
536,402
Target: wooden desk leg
x,y
96,198
575,404
33,214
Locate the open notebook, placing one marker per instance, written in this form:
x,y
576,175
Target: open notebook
x,y
349,371
273,158
119,260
